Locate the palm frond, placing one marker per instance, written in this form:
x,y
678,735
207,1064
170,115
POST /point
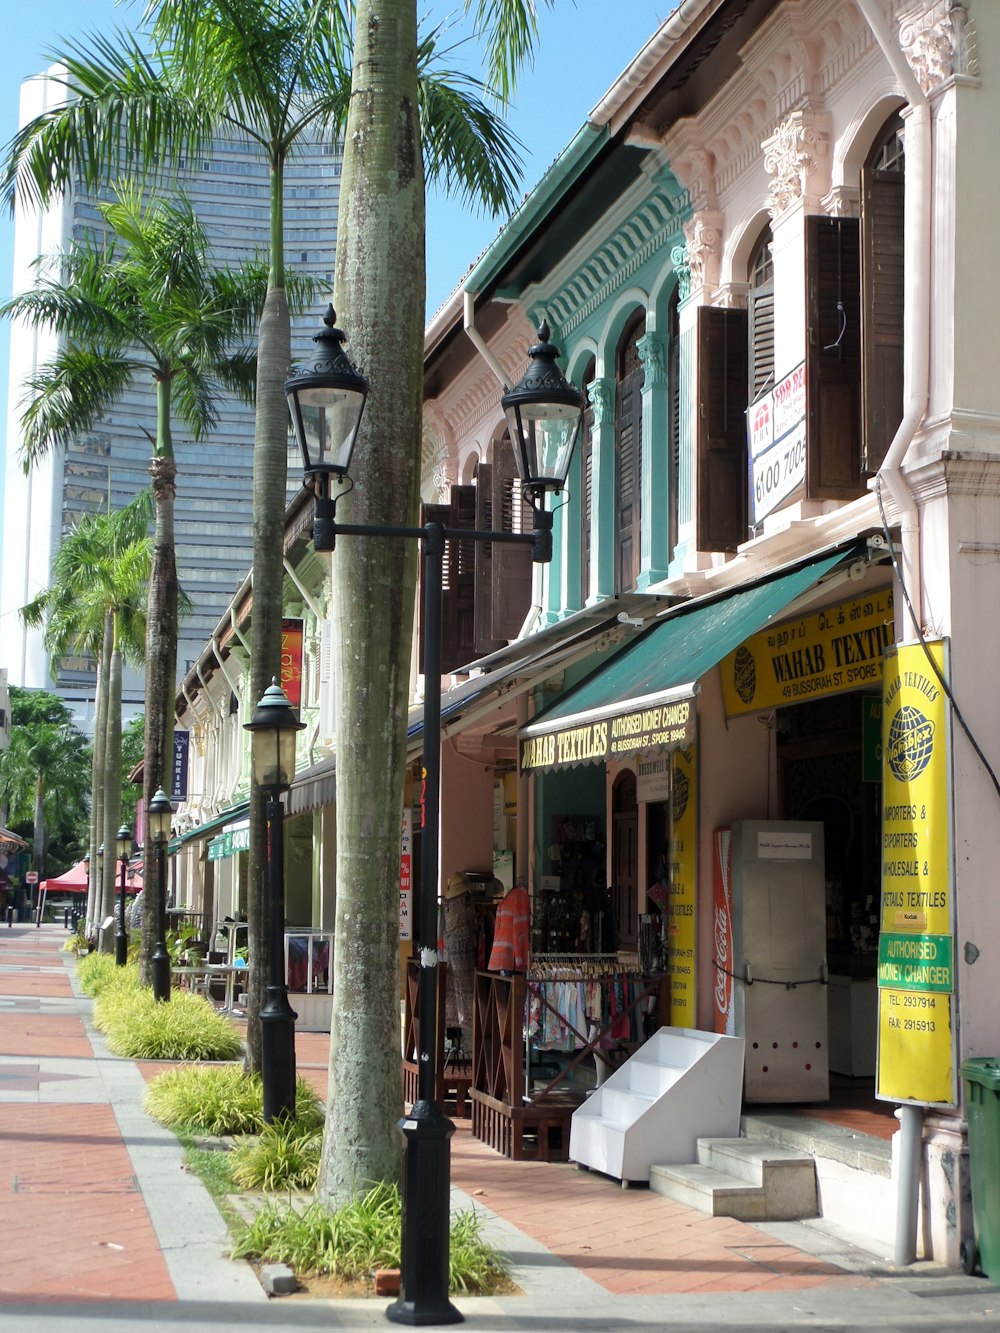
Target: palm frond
x,y
68,396
509,29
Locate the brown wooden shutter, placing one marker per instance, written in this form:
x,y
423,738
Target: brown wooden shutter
x,y
882,229
628,479
460,568
833,358
511,565
674,424
722,428
760,305
485,642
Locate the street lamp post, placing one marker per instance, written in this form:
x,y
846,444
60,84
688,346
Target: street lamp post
x,y
123,850
545,414
273,729
159,814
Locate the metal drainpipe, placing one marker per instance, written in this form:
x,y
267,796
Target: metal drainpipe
x,y
916,341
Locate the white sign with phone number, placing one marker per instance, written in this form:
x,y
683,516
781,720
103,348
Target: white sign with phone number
x,y
776,426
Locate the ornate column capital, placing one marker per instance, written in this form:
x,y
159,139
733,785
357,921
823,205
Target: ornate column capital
x,y
601,393
940,45
703,234
652,349
797,159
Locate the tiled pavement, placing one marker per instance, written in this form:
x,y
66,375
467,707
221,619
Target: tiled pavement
x,y
99,1220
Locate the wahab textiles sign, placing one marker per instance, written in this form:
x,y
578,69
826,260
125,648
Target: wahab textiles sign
x,y
666,725
916,968
838,648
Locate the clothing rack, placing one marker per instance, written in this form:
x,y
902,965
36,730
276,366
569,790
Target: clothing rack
x,y
574,966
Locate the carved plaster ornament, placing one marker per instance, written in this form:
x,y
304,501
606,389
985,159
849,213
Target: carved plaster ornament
x,y
682,267
940,44
796,157
704,249
652,349
602,400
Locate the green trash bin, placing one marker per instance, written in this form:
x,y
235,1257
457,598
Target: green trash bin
x,y
982,1110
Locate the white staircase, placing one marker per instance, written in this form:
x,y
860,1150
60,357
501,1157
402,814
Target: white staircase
x,y
748,1179
679,1085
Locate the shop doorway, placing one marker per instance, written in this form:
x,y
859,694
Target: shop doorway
x,y
625,858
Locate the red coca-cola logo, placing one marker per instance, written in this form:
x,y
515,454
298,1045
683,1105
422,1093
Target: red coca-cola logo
x,y
722,989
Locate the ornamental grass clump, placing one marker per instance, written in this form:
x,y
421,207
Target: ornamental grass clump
x,y
284,1156
221,1100
186,1027
361,1237
97,971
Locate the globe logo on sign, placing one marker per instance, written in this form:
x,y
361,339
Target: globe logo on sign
x,y
745,674
682,791
911,743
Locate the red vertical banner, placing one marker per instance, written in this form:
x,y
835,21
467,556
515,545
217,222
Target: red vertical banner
x,y
722,931
291,661
406,878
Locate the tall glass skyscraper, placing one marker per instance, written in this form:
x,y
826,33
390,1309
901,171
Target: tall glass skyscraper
x,y
228,187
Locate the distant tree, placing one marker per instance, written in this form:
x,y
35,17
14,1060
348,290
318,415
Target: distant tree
x,y
45,778
132,742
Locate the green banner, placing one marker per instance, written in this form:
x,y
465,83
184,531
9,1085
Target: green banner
x,y
916,962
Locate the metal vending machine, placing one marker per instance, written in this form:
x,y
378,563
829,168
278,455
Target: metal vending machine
x,y
770,955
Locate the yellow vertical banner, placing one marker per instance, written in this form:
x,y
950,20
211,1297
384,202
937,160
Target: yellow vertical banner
x,y
916,975
683,888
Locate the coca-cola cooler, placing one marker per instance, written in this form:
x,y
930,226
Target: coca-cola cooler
x,y
770,955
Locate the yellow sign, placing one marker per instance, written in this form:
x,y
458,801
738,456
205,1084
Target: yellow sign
x,y
838,648
916,974
681,919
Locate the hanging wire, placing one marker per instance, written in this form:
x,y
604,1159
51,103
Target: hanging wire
x,y
959,716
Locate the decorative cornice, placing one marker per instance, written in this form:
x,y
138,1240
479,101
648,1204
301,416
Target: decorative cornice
x,y
940,45
797,159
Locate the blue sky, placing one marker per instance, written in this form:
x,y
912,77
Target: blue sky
x,y
584,46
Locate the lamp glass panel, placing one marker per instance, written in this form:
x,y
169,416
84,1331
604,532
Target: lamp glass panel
x,y
546,433
328,420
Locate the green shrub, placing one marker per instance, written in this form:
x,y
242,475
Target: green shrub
x,y
221,1100
284,1156
97,971
186,1028
361,1237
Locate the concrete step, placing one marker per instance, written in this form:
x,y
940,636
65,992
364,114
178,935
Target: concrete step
x,y
712,1192
787,1175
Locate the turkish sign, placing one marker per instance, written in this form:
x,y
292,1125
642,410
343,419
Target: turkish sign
x,y
667,725
291,660
776,429
916,973
838,648
179,772
681,920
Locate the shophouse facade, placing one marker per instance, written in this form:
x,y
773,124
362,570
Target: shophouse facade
x,y
762,258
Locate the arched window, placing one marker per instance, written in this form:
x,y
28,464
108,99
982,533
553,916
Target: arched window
x,y
760,305
882,284
628,453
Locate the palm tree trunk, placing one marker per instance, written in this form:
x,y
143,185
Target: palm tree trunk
x,y
380,300
270,469
38,838
161,662
97,771
112,793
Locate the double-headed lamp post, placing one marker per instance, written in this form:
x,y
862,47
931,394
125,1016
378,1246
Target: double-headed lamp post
x,y
544,413
273,729
123,850
159,816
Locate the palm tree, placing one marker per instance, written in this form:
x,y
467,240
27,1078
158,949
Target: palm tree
x,y
263,74
379,289
144,300
43,775
95,606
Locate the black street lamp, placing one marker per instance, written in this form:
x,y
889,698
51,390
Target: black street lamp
x,y
273,729
159,815
123,850
545,414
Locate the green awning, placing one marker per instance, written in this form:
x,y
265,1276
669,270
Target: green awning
x,y
211,826
643,699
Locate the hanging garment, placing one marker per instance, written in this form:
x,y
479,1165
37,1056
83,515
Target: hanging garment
x,y
512,936
460,939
